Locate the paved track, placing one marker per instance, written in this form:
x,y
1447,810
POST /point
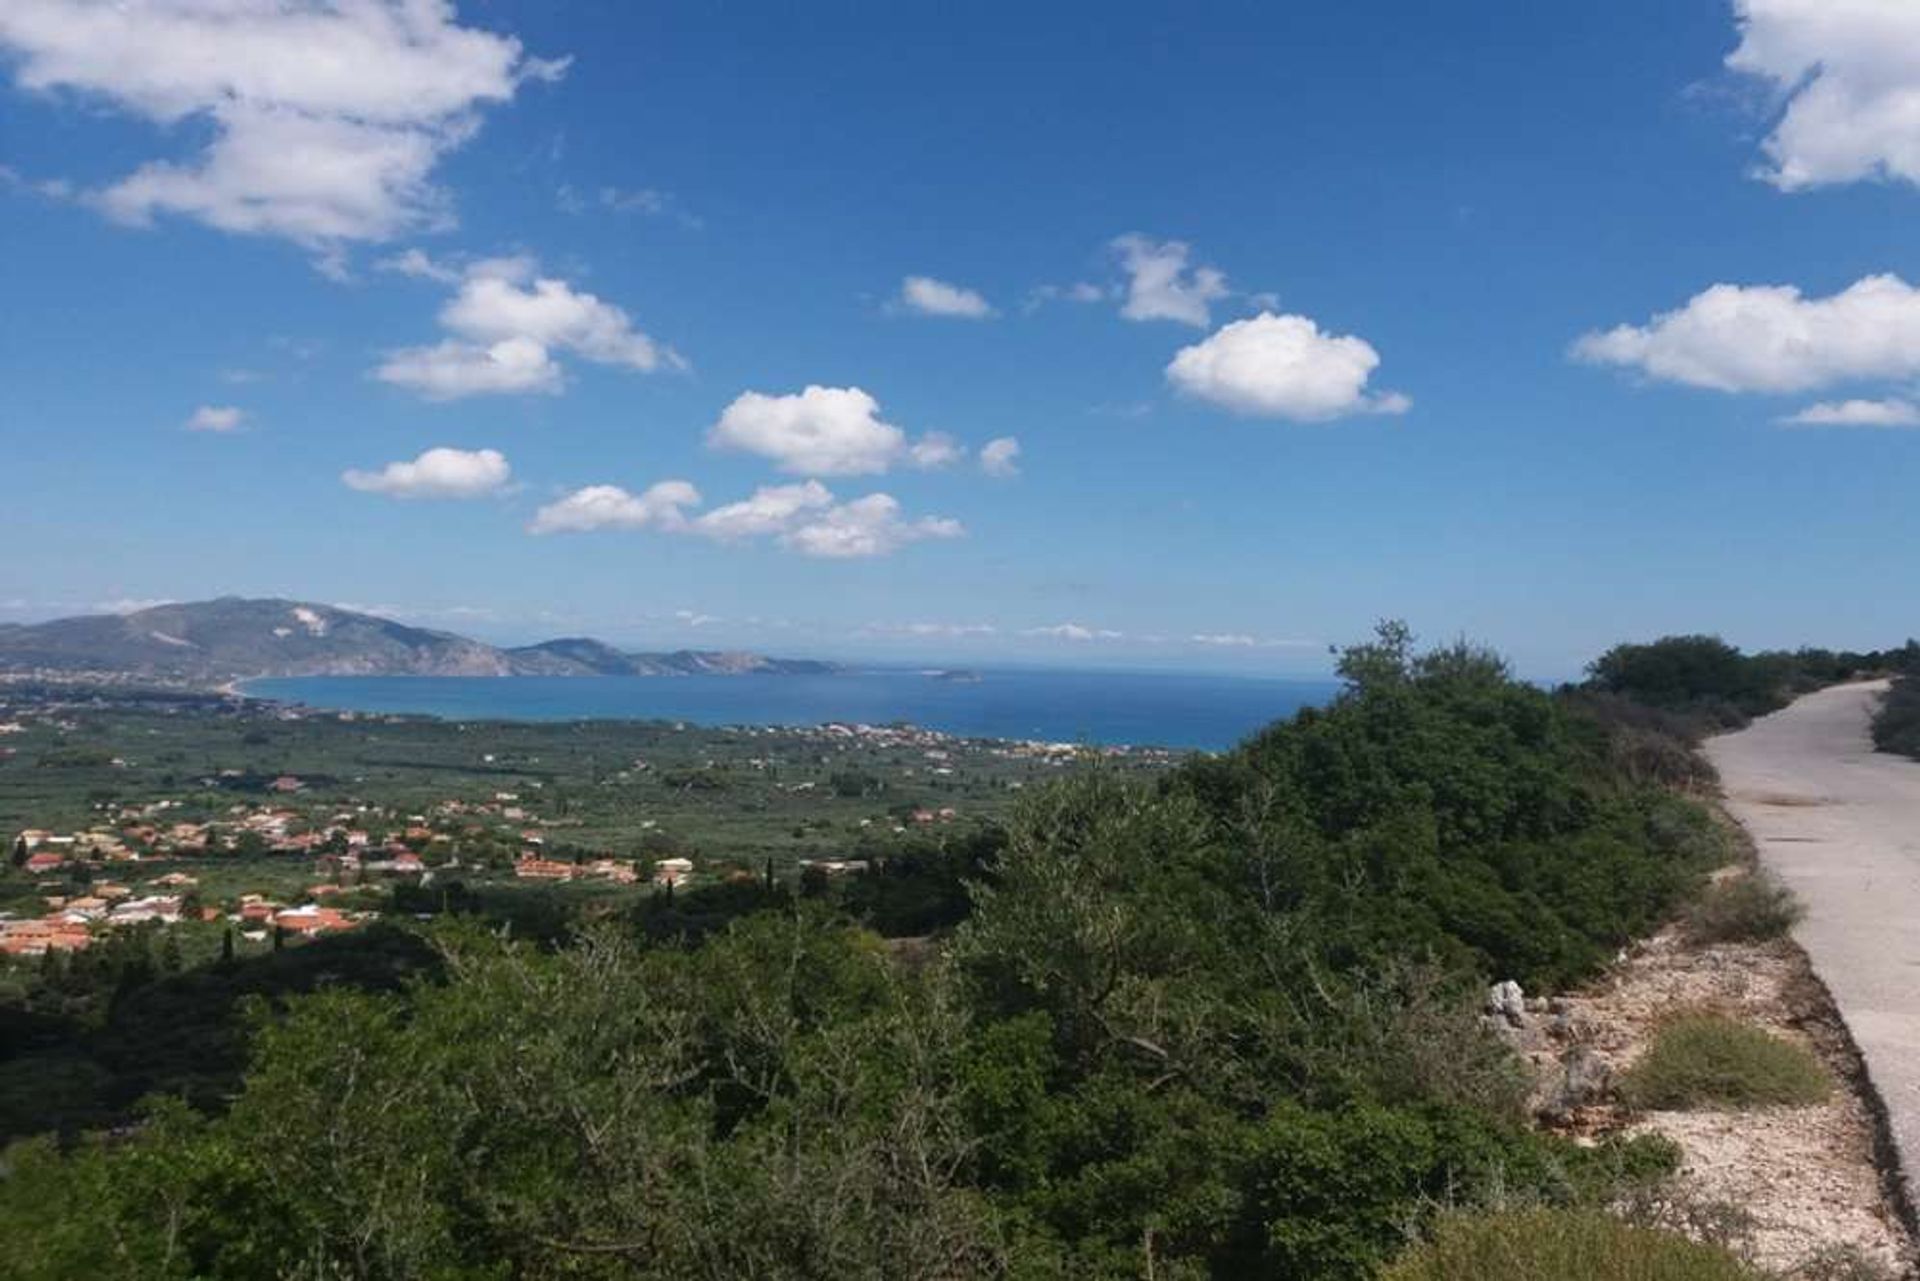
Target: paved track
x,y
1840,824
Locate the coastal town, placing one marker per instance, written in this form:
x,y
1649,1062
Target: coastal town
x,y
101,839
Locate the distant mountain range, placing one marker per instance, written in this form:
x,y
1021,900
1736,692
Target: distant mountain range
x,y
232,639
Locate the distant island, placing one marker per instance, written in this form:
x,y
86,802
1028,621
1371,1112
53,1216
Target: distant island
x,y
960,676
230,639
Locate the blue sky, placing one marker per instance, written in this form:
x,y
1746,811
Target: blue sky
x,y
1489,317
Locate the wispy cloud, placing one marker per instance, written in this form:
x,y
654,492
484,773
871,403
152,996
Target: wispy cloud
x,y
1163,284
217,419
925,296
1857,413
924,630
1074,632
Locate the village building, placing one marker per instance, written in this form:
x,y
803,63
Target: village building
x,y
612,870
313,919
136,911
543,869
36,938
672,871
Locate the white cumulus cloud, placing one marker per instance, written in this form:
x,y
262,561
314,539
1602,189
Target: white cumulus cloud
x,y
869,526
505,299
611,507
1858,413
1772,338
437,473
772,509
803,517
322,120
219,419
1000,456
507,322
930,297
824,431
451,369
1162,285
806,518
1849,72
1272,366
821,431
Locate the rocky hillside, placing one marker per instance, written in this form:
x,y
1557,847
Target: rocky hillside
x,y
231,638
580,656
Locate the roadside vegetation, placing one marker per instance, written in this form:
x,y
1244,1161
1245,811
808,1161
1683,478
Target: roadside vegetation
x,y
1555,1245
1749,906
1708,1060
1705,686
1220,1020
1896,728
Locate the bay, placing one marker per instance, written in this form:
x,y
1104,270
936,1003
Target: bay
x,y
1105,708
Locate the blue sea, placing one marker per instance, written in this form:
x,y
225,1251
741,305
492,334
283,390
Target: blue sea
x,y
1105,708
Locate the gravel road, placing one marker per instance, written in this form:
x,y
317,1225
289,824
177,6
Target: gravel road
x,y
1840,824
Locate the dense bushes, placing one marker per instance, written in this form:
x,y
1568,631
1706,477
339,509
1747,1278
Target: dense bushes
x,y
1896,727
1643,746
922,889
1442,808
88,1034
1662,696
1222,1024
779,1102
1712,686
1691,674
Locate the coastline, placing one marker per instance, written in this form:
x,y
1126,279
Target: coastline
x,y
1061,707
1064,707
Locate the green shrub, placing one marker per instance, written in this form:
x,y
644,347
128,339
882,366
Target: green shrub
x,y
1698,675
1749,908
1441,809
1708,1060
1711,686
1896,728
1555,1245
